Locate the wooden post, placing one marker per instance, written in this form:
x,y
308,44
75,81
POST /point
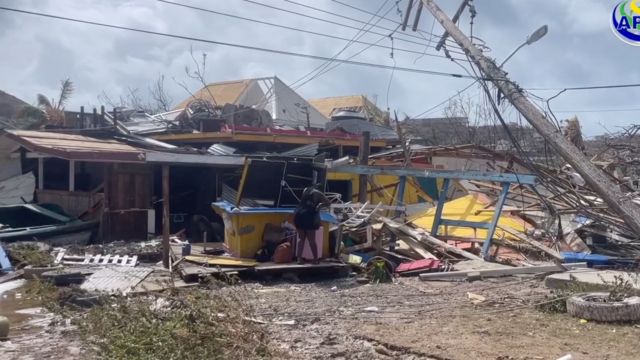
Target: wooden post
x,y
40,173
115,118
81,125
72,175
597,179
340,151
105,232
363,159
165,216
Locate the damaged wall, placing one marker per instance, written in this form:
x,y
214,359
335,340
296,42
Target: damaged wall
x,y
9,167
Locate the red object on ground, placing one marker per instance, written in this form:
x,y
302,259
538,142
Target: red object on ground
x,y
419,265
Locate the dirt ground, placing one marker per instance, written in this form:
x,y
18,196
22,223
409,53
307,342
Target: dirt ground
x,y
408,319
432,320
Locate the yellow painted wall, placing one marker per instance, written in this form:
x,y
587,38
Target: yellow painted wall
x,y
467,208
387,196
244,237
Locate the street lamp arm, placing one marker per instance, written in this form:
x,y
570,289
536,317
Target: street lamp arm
x,y
513,53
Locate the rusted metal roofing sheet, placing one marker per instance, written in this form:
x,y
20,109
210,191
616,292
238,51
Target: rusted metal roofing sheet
x,y
218,93
77,147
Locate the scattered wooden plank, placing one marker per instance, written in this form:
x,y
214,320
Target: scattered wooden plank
x,y
417,247
11,276
531,242
423,236
454,275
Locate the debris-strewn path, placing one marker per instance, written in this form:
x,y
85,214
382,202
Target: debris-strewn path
x,y
37,338
409,319
420,320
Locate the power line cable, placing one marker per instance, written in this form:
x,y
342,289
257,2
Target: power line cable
x,y
429,42
589,87
597,110
422,32
241,46
429,110
332,22
322,68
338,64
324,71
353,19
289,27
392,71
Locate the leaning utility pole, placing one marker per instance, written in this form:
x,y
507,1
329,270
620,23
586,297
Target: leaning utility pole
x,y
596,178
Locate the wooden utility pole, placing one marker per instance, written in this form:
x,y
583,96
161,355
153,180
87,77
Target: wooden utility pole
x,y
363,159
165,216
596,178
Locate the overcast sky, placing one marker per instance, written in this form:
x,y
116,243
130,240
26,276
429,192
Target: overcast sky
x,y
579,50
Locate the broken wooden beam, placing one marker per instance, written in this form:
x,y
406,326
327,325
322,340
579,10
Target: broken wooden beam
x,y
456,275
531,242
423,236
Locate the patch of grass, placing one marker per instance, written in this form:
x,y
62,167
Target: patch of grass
x,y
29,254
557,300
622,288
191,324
57,300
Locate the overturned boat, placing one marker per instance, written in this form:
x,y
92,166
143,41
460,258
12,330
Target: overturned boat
x,y
34,222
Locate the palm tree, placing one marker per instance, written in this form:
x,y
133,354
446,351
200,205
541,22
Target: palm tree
x,y
54,110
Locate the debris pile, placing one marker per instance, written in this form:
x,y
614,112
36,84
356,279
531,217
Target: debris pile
x,y
558,218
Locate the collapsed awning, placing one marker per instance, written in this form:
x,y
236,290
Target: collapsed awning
x,y
84,148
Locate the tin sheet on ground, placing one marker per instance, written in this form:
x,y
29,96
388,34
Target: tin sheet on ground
x,y
115,279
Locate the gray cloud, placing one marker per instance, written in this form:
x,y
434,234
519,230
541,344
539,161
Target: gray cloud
x,y
579,50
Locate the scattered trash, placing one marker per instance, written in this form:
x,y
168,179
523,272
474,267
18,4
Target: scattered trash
x,y
475,298
5,263
95,260
566,357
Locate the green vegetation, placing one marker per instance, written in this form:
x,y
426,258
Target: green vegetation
x,y
183,325
29,254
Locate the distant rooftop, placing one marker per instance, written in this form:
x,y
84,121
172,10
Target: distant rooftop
x,y
329,106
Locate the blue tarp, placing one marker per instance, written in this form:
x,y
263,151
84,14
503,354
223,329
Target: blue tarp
x,y
590,259
5,264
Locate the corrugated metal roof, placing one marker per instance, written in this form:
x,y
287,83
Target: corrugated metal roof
x,y
220,149
218,93
359,103
76,147
84,148
358,126
306,150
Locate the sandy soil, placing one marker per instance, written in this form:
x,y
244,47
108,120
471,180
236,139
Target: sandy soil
x,y
409,319
430,320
